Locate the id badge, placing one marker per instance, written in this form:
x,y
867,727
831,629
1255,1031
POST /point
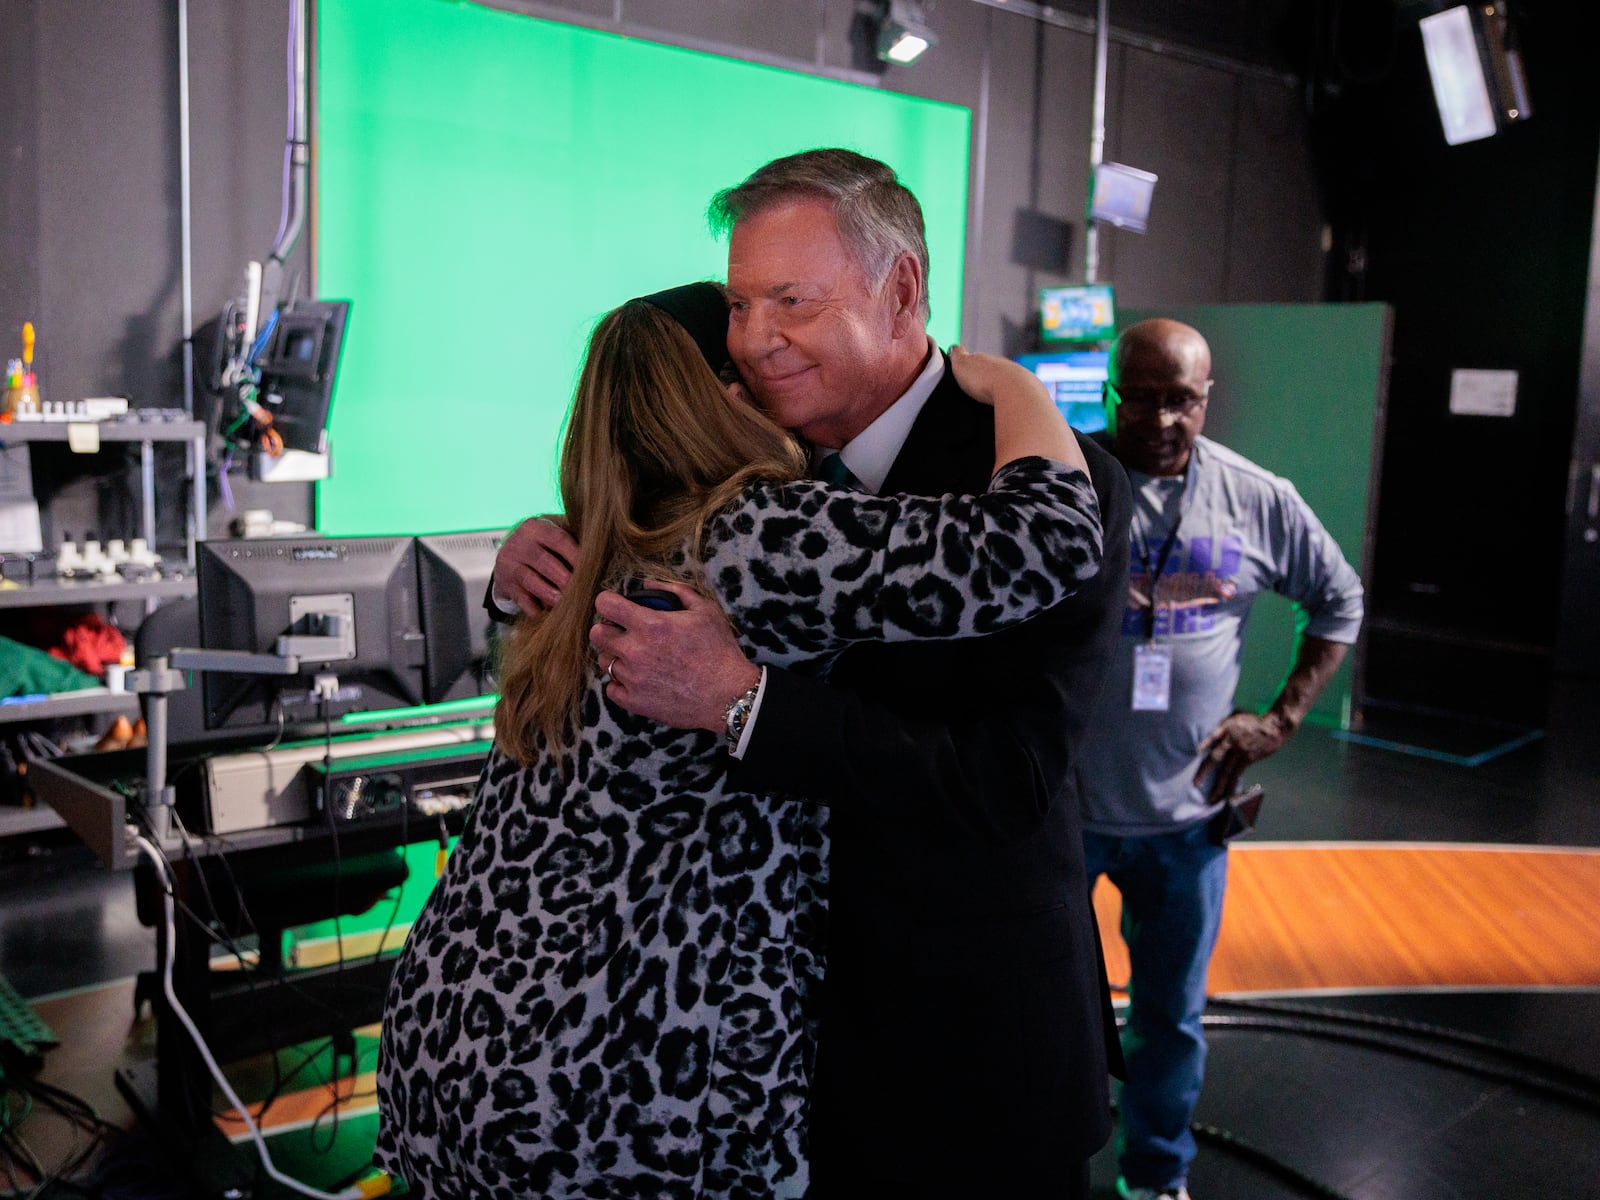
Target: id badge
x,y
1152,677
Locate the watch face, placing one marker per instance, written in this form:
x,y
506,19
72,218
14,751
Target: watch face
x,y
738,715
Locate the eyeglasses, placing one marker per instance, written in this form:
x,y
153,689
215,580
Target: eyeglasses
x,y
1147,402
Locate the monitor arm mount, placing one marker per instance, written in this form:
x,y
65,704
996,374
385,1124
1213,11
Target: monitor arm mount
x,y
165,675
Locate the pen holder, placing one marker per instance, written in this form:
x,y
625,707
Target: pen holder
x,y
21,399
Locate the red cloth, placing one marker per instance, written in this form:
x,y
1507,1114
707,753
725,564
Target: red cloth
x,y
90,644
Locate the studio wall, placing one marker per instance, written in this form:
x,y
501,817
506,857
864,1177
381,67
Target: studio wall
x,y
91,222
1483,250
1258,172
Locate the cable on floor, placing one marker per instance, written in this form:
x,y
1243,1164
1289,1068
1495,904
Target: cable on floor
x,y
1233,1144
1387,1035
1581,1098
1535,1063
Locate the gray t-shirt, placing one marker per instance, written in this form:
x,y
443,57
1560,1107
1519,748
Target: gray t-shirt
x,y
1241,530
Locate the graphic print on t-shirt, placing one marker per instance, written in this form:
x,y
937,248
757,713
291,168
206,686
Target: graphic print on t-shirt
x,y
1199,575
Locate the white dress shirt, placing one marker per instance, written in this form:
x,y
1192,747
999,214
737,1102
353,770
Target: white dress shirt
x,y
870,455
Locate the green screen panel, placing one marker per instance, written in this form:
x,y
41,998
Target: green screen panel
x,y
488,184
1299,390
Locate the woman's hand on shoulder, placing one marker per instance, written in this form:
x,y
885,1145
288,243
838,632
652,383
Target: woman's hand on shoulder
x,y
990,379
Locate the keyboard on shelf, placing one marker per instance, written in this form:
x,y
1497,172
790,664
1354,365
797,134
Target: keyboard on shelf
x,y
21,1030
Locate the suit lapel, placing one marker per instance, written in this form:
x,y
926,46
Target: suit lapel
x,y
950,447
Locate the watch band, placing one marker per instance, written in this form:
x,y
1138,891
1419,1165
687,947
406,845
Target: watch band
x,y
737,715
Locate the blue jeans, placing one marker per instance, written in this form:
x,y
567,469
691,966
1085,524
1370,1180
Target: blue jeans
x,y
1172,886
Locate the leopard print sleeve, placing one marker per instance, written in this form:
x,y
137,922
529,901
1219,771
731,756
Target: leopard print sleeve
x,y
803,568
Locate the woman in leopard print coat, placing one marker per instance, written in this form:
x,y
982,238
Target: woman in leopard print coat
x,y
611,991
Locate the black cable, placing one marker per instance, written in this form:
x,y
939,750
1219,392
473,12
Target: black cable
x,y
244,909
62,1100
1239,1148
338,905
81,1118
1554,1070
277,738
211,928
70,1162
226,939
23,1153
307,1058
400,888
1576,1097
332,1106
279,1080
251,981
1583,1091
338,856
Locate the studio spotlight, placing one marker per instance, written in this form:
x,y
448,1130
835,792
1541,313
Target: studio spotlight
x,y
903,34
1475,64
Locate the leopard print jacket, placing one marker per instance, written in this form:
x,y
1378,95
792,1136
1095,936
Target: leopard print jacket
x,y
611,992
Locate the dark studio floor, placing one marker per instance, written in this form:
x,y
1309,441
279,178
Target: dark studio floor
x,y
1364,1110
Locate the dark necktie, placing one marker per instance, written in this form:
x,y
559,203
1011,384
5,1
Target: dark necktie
x,y
831,469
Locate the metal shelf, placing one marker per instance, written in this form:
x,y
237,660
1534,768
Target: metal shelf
x,y
90,591
15,821
110,431
68,704
144,434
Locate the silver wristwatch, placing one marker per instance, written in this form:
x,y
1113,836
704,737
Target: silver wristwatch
x,y
737,716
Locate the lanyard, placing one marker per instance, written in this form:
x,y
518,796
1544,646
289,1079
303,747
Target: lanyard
x,y
1154,576
1142,543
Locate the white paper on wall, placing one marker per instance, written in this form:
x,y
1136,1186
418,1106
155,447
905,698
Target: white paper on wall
x,y
1483,393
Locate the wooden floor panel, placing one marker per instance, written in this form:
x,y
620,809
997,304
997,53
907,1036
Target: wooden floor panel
x,y
1305,915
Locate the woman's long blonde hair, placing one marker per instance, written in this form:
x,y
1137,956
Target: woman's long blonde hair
x,y
654,447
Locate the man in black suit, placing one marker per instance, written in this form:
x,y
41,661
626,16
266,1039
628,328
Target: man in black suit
x,y
966,1023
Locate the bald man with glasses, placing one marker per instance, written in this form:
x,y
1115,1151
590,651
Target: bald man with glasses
x,y
1210,531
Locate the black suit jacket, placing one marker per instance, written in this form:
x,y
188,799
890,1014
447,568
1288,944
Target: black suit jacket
x,y
966,1027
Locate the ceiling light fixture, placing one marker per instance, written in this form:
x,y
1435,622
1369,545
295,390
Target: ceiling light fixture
x,y
903,34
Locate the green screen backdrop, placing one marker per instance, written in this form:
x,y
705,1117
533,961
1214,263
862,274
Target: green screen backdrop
x,y
488,184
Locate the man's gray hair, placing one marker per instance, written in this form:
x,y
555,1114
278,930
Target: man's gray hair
x,y
878,217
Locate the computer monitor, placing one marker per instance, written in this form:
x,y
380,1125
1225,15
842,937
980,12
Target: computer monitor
x,y
1082,313
255,591
299,368
454,570
1122,196
1075,378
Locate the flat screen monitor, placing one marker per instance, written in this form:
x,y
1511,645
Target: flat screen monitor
x,y
1122,196
299,368
254,591
454,570
1083,313
1074,378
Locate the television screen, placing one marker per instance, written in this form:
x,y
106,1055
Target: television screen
x,y
1122,196
1074,378
1084,313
